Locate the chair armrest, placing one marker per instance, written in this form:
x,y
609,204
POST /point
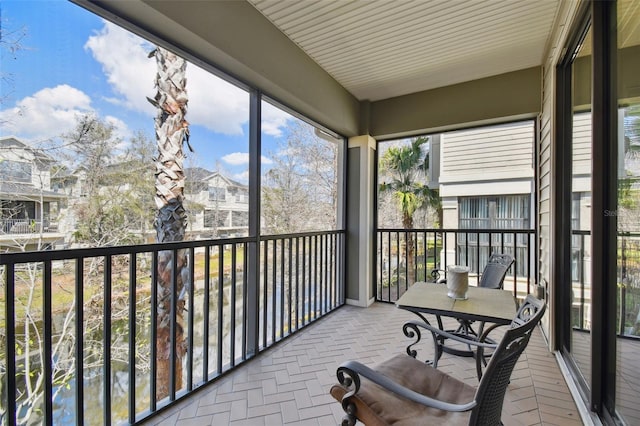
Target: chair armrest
x,y
456,337
354,369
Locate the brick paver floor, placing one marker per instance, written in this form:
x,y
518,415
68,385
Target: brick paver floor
x,y
289,383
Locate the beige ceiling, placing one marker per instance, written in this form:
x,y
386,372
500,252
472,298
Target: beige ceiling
x,y
384,48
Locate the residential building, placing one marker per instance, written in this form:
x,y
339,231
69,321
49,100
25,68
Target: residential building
x,y
28,206
218,205
487,181
125,205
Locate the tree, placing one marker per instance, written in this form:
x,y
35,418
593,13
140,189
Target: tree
x,y
172,131
109,206
30,375
100,210
139,158
628,200
300,191
406,167
10,42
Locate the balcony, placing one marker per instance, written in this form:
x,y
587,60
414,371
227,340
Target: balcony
x,y
26,226
289,384
272,364
247,295
29,234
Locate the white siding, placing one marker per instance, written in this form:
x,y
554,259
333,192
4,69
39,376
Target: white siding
x,y
557,40
225,208
582,144
488,153
544,173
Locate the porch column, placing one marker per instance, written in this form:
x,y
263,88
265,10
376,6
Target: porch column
x,y
360,288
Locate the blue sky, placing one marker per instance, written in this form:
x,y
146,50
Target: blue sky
x,y
73,62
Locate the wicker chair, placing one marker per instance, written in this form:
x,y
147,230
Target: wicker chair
x,y
492,276
403,391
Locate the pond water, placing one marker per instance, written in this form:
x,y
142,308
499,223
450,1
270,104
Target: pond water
x,y
94,381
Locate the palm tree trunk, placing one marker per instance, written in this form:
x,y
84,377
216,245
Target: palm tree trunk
x,y
407,222
171,219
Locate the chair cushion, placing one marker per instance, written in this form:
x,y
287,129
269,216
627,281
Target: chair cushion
x,y
377,406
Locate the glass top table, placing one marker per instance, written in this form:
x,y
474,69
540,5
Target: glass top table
x,y
485,305
482,304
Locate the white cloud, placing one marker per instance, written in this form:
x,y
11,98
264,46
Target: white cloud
x,y
47,113
273,119
236,158
213,103
242,177
124,61
239,158
120,130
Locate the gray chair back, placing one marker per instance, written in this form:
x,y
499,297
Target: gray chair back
x,y
495,271
493,385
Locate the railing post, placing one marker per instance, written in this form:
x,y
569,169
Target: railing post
x,y
106,341
623,281
10,323
253,247
132,333
79,329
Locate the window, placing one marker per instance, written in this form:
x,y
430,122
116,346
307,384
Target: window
x,y
495,213
239,218
299,183
93,109
504,212
628,241
242,197
217,193
195,186
15,171
216,218
397,177
474,213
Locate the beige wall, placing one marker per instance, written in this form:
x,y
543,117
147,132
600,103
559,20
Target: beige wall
x,y
511,96
240,41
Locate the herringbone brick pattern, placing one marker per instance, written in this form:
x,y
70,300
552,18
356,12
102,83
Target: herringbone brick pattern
x,y
289,384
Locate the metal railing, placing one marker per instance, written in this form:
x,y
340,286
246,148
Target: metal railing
x,y
405,255
628,283
26,226
80,326
437,248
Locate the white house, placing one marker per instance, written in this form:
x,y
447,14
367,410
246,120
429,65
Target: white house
x,y
218,205
28,207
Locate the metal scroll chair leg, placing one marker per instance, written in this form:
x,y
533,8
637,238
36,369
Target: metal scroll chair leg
x,y
480,356
412,331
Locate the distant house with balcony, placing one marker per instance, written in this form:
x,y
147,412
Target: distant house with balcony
x,y
218,206
28,206
126,204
